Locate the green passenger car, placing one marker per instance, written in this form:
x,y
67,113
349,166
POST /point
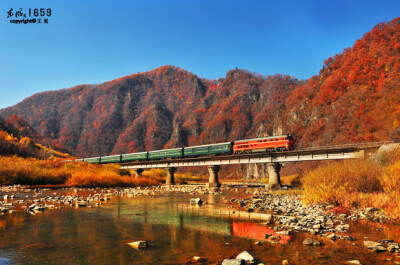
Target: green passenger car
x,y
110,159
134,156
93,160
168,153
221,148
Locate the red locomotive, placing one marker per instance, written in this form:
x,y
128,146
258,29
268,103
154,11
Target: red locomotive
x,y
266,144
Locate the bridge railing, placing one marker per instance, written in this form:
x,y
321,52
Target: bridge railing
x,y
358,145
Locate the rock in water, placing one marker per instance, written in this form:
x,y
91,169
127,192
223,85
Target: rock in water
x,y
371,244
308,241
138,244
232,262
354,262
311,242
196,201
245,256
198,259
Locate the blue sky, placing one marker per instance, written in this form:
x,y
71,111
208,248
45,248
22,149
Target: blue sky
x,y
93,41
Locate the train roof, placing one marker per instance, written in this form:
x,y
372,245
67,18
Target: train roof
x,y
166,150
263,138
207,145
109,156
138,153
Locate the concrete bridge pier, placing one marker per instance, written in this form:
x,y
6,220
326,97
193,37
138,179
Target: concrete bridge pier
x,y
170,175
213,180
273,173
138,172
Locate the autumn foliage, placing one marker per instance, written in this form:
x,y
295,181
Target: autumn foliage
x,y
373,182
355,97
17,137
32,171
336,180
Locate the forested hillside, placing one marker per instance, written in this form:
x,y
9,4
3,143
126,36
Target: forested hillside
x,y
163,108
16,138
355,97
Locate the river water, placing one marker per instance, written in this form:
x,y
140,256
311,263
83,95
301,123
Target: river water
x,y
176,232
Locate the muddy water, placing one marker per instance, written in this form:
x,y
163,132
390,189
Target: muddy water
x,y
176,232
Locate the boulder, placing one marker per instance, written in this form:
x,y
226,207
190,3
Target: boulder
x,y
245,256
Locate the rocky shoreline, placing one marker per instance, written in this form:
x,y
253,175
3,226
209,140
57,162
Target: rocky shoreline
x,y
285,214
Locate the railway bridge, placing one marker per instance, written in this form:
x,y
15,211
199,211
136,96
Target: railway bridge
x,y
273,160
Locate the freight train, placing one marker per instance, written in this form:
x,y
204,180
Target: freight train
x,y
247,146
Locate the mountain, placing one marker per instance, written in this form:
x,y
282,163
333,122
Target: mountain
x,y
166,107
354,98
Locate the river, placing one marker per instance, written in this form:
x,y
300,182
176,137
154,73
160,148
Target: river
x,y
176,232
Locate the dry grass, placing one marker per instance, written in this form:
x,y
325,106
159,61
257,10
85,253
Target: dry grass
x,y
357,183
337,182
290,179
189,177
155,173
31,171
390,180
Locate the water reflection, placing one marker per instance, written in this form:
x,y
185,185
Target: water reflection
x,y
176,232
256,231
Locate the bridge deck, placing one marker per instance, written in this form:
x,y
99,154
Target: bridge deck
x,y
275,157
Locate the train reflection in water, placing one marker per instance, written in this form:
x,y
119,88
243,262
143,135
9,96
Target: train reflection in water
x,y
256,231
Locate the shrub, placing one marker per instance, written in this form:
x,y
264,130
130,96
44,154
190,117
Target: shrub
x,y
390,181
336,181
